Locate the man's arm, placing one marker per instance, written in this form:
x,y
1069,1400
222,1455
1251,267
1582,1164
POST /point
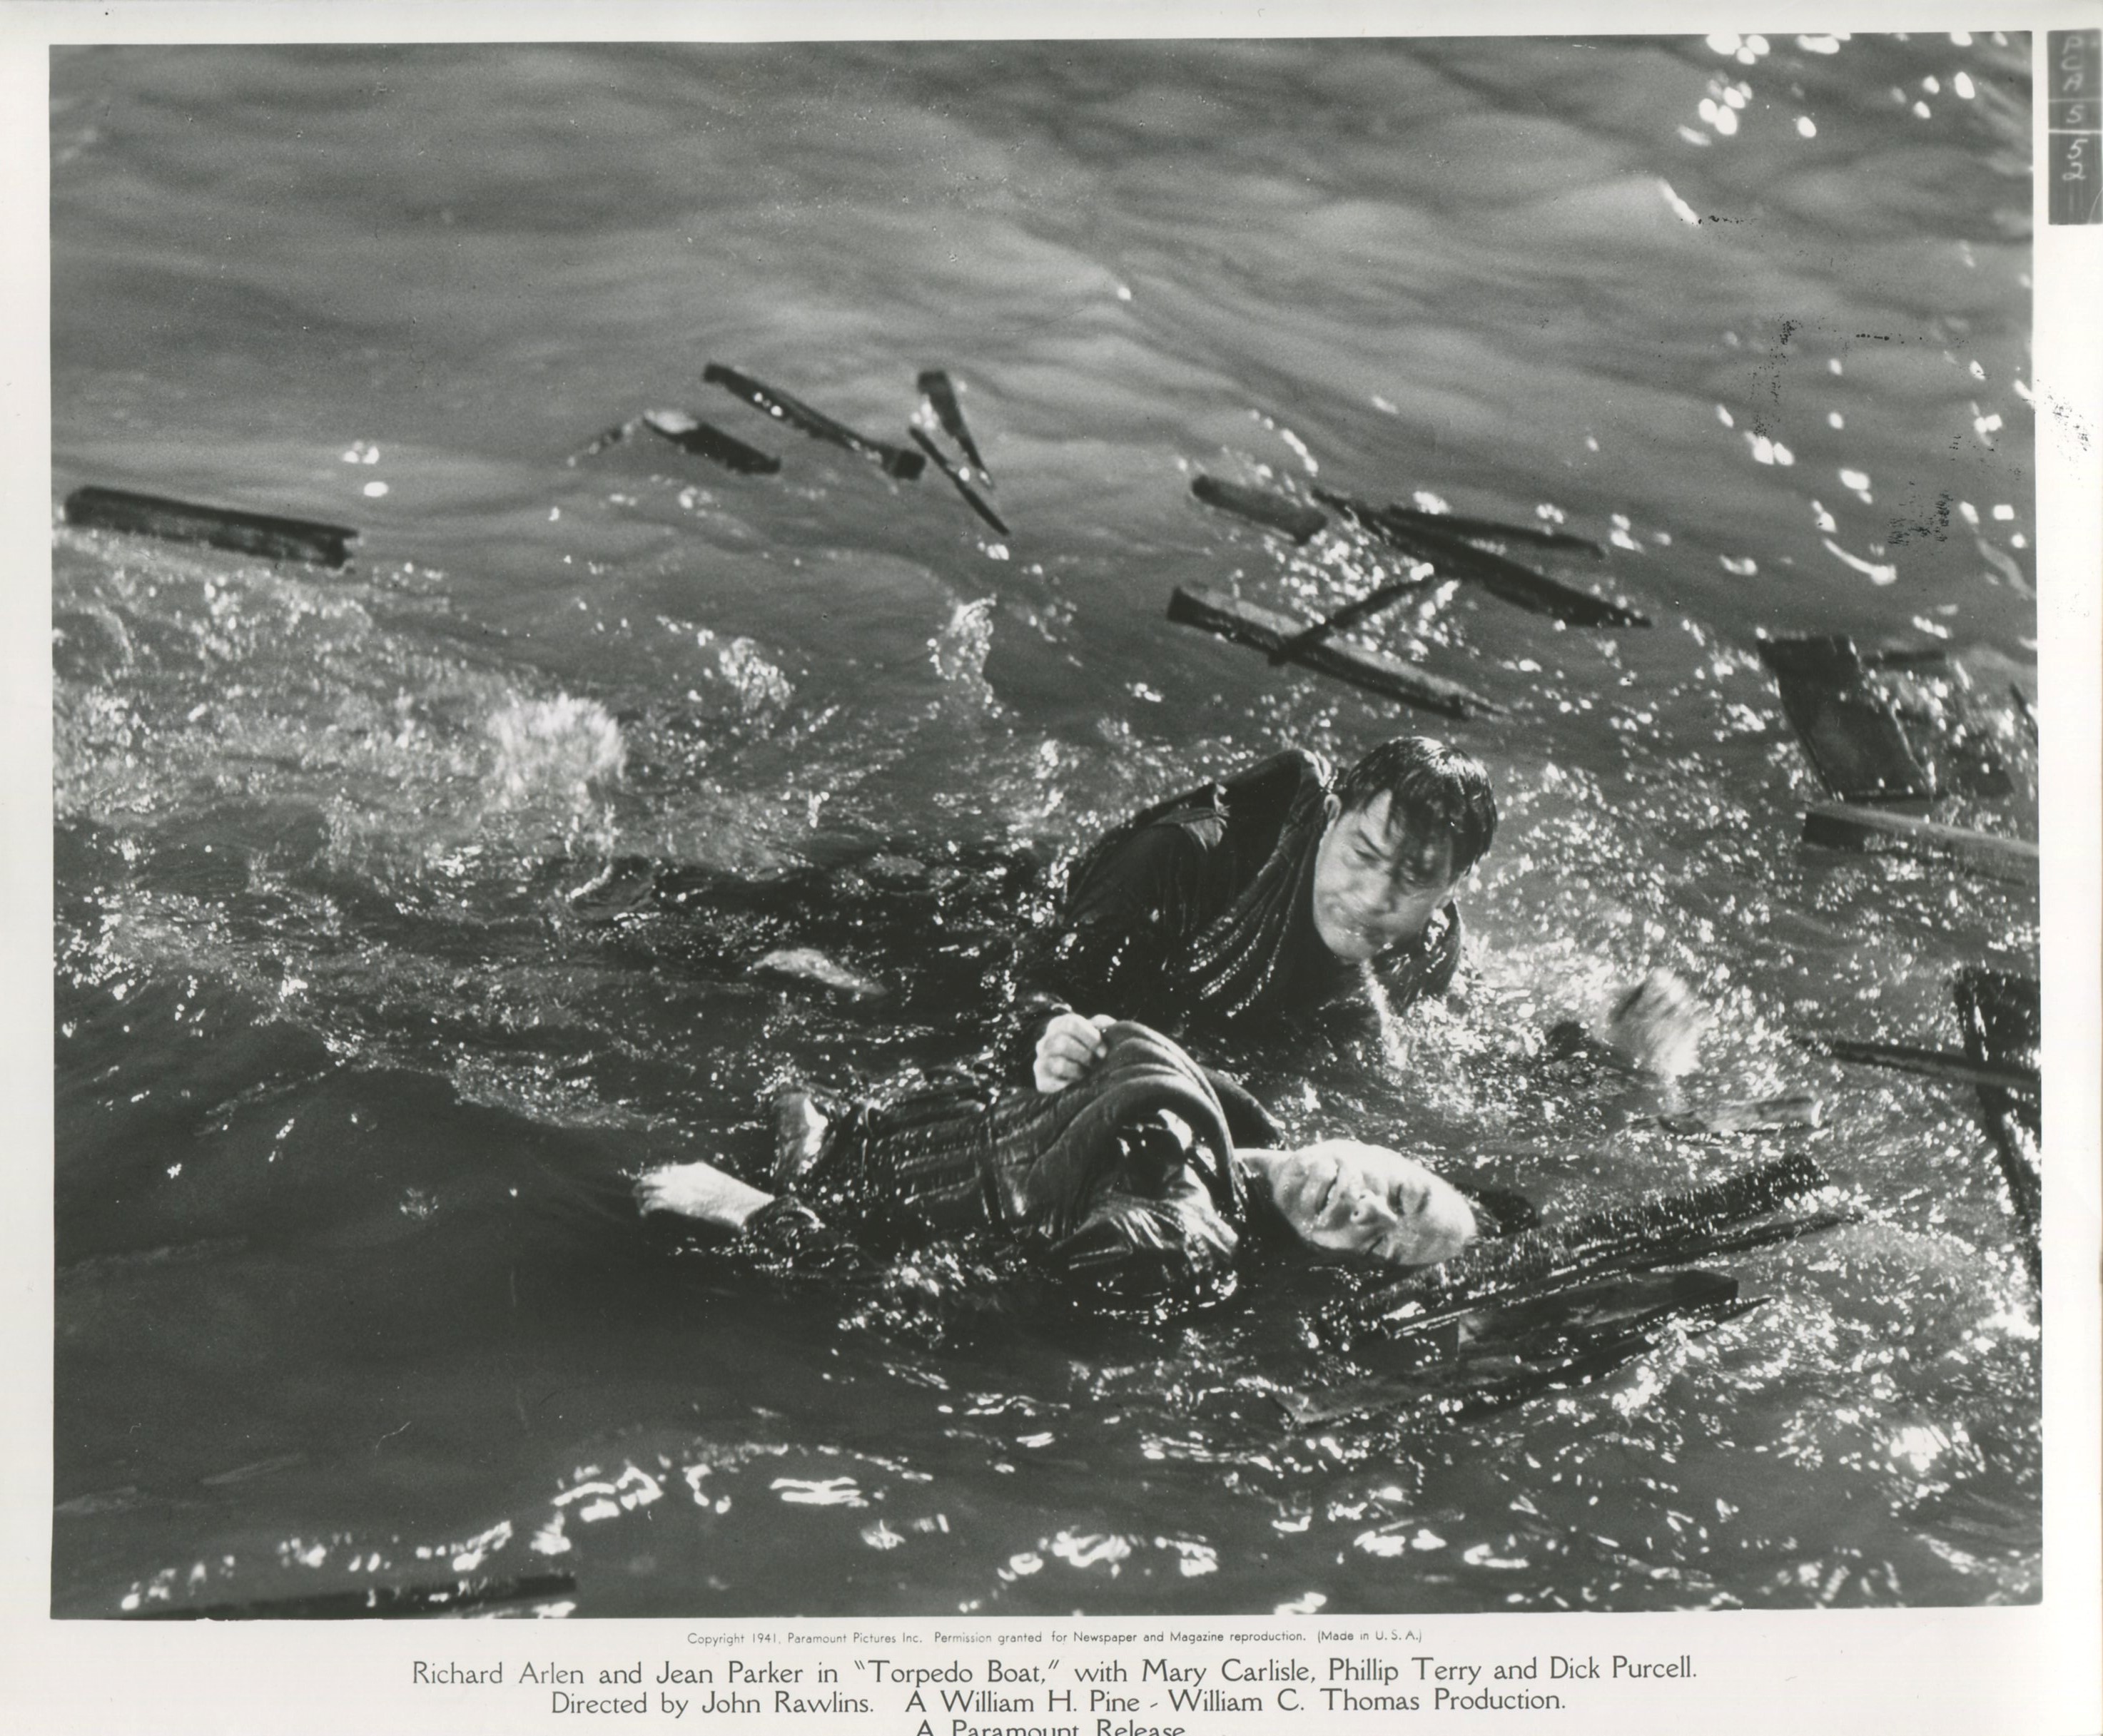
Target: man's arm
x,y
1151,1254
1123,928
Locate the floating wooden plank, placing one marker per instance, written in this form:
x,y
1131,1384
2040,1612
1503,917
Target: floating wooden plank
x,y
1834,827
1350,615
1847,727
895,461
1249,624
445,1597
1930,1063
2001,1018
705,440
972,499
1274,511
222,527
1489,530
935,386
1460,558
1796,1109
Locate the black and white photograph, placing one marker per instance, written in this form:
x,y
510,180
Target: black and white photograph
x,y
1046,828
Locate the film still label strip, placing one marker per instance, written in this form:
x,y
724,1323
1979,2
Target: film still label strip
x,y
2073,126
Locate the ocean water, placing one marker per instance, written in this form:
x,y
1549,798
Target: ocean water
x,y
360,1030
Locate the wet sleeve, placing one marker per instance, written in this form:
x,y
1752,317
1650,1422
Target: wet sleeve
x,y
1128,922
1131,1253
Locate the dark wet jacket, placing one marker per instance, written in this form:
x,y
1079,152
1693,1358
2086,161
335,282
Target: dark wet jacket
x,y
1122,1185
1201,909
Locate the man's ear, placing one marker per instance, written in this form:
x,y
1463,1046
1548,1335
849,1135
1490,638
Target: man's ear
x,y
1332,807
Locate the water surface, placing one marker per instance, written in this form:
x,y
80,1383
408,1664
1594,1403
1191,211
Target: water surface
x,y
353,1061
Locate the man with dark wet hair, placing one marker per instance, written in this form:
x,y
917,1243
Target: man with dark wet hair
x,y
1275,892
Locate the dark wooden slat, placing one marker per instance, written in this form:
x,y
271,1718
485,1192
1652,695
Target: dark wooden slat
x,y
1350,615
935,386
221,527
1846,726
1459,559
705,440
1273,511
2002,1019
1930,1063
1490,530
1796,1109
1834,827
972,496
445,1597
1249,624
896,460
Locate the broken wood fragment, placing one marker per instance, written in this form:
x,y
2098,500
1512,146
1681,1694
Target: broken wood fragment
x,y
1350,615
705,440
221,527
2001,1017
972,496
896,461
445,1597
1280,513
1930,1063
1460,558
1488,529
1834,827
1250,624
1794,1109
1847,727
935,386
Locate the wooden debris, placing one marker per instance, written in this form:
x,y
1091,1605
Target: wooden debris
x,y
1273,511
445,1597
972,496
1350,615
1489,531
896,460
936,388
1834,827
222,527
1249,624
2001,1018
1847,727
1796,1109
704,440
1460,558
1930,1063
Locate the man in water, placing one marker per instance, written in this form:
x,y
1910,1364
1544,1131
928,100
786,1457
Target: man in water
x,y
1125,1185
1276,892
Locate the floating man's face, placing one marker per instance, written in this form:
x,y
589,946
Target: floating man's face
x,y
1378,879
1364,1199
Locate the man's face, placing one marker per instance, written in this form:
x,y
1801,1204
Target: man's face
x,y
1376,884
1365,1199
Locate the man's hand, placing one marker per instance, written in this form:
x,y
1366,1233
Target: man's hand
x,y
1071,1044
702,1191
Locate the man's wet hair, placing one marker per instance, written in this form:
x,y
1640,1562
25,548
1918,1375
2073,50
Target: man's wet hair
x,y
1433,784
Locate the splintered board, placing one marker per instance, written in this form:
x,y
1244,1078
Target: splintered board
x,y
1846,726
221,527
1266,629
1836,828
2000,1016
